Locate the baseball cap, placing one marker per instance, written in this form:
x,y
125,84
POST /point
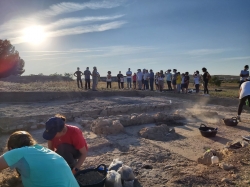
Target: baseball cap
x,y
53,126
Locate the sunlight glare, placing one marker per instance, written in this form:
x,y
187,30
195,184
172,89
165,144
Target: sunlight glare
x,y
34,34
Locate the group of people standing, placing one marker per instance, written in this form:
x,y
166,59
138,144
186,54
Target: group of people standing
x,y
95,77
145,80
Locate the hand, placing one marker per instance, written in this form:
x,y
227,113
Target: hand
x,y
74,170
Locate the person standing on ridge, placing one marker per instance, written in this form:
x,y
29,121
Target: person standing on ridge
x,y
151,79
174,78
87,74
119,75
95,76
169,78
244,74
206,78
129,77
78,74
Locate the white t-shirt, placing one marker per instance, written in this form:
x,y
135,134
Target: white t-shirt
x,y
197,80
245,89
129,73
139,76
145,76
182,80
245,74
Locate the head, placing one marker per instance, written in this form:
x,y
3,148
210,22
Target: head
x,y
151,70
174,70
78,68
20,139
134,73
246,67
109,72
186,73
204,69
169,70
146,71
94,68
55,127
182,74
178,73
161,72
129,69
119,72
197,72
87,68
139,70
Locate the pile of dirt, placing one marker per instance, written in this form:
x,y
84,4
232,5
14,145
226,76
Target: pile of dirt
x,y
159,133
106,126
206,157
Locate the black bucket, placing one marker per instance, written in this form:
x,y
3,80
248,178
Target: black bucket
x,y
230,121
207,131
98,169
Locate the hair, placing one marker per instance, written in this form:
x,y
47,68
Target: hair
x,y
246,66
20,139
61,116
204,69
109,72
197,72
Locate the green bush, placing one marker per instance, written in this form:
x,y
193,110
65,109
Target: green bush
x,y
215,81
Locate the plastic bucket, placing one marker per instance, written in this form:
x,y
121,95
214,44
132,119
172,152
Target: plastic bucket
x,y
98,169
207,131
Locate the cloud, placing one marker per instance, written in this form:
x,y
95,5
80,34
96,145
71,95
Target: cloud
x,y
68,7
201,52
86,29
237,58
72,21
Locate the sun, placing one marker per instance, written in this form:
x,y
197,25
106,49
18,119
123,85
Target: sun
x,y
34,34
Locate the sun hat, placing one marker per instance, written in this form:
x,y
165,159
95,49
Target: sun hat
x,y
53,126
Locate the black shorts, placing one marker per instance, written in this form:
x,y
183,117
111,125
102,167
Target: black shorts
x,y
174,82
134,81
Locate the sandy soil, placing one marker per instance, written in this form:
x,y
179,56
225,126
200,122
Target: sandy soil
x,y
172,163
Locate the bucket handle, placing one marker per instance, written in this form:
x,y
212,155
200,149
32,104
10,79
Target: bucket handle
x,y
203,125
234,118
104,167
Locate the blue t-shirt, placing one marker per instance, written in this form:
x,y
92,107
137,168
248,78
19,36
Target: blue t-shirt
x,y
40,167
169,76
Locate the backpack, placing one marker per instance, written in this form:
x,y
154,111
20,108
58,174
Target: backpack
x,y
208,76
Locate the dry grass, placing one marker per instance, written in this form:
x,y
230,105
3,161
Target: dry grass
x,y
228,89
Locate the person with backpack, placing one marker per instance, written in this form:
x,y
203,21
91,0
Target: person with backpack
x,y
206,78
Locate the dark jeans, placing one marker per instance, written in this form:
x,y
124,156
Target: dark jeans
x,y
119,84
87,84
69,153
129,82
79,81
205,87
197,87
169,85
122,85
151,84
108,84
146,87
242,103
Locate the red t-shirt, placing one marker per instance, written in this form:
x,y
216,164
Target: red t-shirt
x,y
73,137
134,77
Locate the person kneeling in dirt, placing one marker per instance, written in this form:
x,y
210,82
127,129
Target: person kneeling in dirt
x,y
67,141
37,165
244,94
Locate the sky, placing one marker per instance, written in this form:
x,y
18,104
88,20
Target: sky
x,y
55,36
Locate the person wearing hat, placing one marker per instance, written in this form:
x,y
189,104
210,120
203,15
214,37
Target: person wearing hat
x,y
66,140
169,78
244,74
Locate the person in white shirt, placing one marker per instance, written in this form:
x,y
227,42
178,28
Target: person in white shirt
x,y
139,78
244,94
129,78
244,74
197,79
109,79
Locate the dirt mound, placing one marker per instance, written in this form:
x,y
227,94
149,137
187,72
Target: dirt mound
x,y
160,133
206,157
106,126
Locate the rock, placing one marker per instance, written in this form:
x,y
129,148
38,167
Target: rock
x,y
224,180
244,143
225,166
206,158
85,123
160,133
106,126
78,120
104,113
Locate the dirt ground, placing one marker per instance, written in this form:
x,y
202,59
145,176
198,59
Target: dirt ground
x,y
172,162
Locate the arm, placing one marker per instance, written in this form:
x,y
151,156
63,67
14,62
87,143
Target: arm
x,y
82,158
75,74
3,164
240,91
50,145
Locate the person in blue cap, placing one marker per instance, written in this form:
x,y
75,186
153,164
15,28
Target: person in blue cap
x,y
67,141
37,165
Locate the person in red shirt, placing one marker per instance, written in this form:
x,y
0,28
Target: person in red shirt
x,y
134,80
67,141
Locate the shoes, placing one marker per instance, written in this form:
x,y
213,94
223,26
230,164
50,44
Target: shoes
x,y
238,118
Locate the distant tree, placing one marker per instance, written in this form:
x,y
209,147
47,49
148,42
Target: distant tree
x,y
215,81
10,62
69,75
40,74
